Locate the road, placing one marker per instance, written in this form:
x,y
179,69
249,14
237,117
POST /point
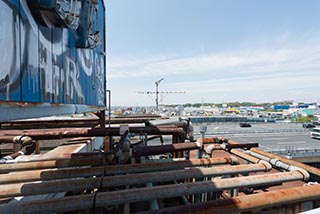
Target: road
x,y
270,136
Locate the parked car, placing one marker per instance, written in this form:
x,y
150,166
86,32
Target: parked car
x,y
316,123
245,125
315,133
308,125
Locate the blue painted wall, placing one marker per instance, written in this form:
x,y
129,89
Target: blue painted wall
x,y
45,63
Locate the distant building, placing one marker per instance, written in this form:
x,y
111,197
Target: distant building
x,y
281,107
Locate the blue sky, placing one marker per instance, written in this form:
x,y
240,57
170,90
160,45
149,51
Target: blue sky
x,y
215,51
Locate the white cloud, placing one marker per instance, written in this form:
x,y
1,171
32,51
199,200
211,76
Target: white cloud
x,y
269,73
250,61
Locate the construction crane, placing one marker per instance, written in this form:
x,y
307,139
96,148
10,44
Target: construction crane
x,y
157,92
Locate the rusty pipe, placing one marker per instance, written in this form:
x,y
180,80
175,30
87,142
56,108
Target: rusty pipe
x,y
244,155
277,161
51,174
59,133
103,199
310,169
207,140
156,150
96,160
213,147
250,158
279,164
12,190
47,164
248,203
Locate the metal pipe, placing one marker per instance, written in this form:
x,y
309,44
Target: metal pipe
x,y
280,162
248,203
310,169
250,158
50,123
12,190
47,164
245,156
156,150
207,140
277,163
275,160
152,203
51,174
59,133
109,110
95,160
103,199
213,147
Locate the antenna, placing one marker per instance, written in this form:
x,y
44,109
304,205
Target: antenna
x,y
157,92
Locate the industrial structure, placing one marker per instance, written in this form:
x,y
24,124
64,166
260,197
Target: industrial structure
x,y
157,92
89,163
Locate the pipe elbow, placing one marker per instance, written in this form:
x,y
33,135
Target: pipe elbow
x,y
234,160
266,164
305,174
210,148
23,140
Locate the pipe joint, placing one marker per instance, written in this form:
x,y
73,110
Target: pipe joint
x,y
199,144
209,149
275,162
23,140
305,174
234,160
223,146
267,165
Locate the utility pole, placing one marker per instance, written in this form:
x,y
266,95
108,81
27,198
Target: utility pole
x,y
157,93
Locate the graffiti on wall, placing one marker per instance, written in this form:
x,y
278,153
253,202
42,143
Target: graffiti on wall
x,y
41,63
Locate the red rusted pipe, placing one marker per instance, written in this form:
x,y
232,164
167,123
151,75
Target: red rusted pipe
x,y
59,133
12,190
97,161
156,150
248,203
47,123
103,199
47,164
34,175
245,156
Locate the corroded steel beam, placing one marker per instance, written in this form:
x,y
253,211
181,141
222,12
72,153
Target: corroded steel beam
x,y
247,203
102,199
51,174
12,190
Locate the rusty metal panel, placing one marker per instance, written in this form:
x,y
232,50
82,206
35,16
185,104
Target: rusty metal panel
x,y
44,61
